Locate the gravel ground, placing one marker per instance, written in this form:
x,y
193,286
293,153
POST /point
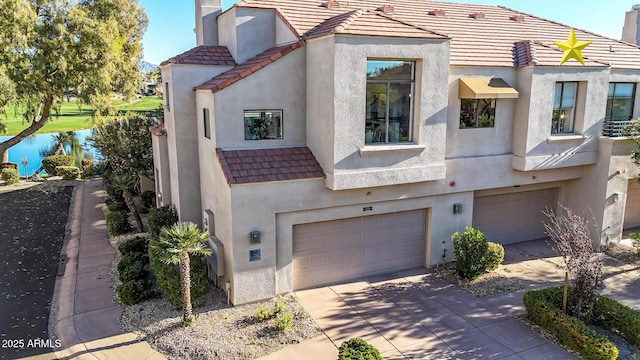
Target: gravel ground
x,y
32,229
220,331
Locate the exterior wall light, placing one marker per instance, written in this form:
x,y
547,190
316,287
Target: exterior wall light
x,y
616,197
457,208
254,237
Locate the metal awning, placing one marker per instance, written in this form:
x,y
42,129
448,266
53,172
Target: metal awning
x,y
485,88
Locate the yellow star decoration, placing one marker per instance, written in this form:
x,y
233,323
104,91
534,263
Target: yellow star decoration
x,y
572,48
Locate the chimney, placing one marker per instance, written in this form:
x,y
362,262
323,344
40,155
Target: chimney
x,y
631,28
206,23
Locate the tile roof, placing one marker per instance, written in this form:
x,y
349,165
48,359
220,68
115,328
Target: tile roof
x,y
203,55
486,40
158,130
248,67
370,23
266,165
529,52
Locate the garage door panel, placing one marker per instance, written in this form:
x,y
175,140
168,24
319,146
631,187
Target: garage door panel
x,y
514,217
357,247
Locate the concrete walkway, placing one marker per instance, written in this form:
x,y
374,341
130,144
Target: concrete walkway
x,y
417,315
85,317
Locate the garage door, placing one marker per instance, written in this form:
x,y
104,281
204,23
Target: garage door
x,y
632,207
514,217
332,251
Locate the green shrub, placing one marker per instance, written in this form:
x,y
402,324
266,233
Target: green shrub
x,y
469,251
129,259
10,176
117,206
495,256
168,278
544,309
134,291
358,349
148,198
284,322
9,165
261,313
68,172
160,217
621,319
136,245
51,162
118,223
134,271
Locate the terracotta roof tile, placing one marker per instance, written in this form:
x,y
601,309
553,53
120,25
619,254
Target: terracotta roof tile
x,y
203,55
489,42
247,68
158,130
529,52
264,165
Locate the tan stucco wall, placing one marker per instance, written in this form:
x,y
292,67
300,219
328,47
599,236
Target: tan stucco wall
x,y
161,169
247,32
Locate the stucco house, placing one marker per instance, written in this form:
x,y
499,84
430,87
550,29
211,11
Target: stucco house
x,y
320,141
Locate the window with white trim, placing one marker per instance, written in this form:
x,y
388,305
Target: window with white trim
x,y
262,124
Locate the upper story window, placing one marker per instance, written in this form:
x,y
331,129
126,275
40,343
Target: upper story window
x,y
206,123
166,96
389,101
262,124
564,104
620,101
477,113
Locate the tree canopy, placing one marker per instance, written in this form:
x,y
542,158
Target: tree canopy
x,y
50,48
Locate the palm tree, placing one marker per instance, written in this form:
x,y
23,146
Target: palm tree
x,y
125,183
174,246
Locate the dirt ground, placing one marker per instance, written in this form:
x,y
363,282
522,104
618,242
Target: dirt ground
x,y
32,230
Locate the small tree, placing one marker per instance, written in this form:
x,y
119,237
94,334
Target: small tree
x,y
124,183
572,239
174,246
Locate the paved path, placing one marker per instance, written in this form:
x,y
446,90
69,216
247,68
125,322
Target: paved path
x,y
85,317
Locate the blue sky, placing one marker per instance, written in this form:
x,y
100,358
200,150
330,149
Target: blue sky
x,y
171,22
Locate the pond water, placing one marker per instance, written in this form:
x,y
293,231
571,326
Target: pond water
x,y
31,147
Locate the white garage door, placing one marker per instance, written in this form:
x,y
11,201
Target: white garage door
x,y
331,251
632,207
514,217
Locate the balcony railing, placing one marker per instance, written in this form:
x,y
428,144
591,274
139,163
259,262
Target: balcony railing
x,y
618,126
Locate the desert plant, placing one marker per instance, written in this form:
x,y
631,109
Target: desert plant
x,y
168,278
469,251
357,349
118,223
571,236
68,172
125,184
51,162
134,291
161,217
10,176
261,313
495,256
148,198
174,246
284,321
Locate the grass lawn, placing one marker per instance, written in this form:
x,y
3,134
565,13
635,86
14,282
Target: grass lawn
x,y
71,117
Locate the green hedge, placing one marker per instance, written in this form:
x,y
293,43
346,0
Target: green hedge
x,y
495,255
51,162
168,278
134,291
544,308
118,223
136,245
612,315
161,217
148,198
68,172
10,176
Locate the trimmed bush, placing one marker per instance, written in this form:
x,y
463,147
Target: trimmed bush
x,y
136,245
357,349
118,223
51,162
134,291
68,172
469,251
544,308
621,319
161,217
148,198
130,259
168,278
117,206
10,176
134,271
495,255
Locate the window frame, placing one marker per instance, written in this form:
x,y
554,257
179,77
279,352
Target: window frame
x,y
389,82
279,133
561,110
493,106
206,122
167,104
609,109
